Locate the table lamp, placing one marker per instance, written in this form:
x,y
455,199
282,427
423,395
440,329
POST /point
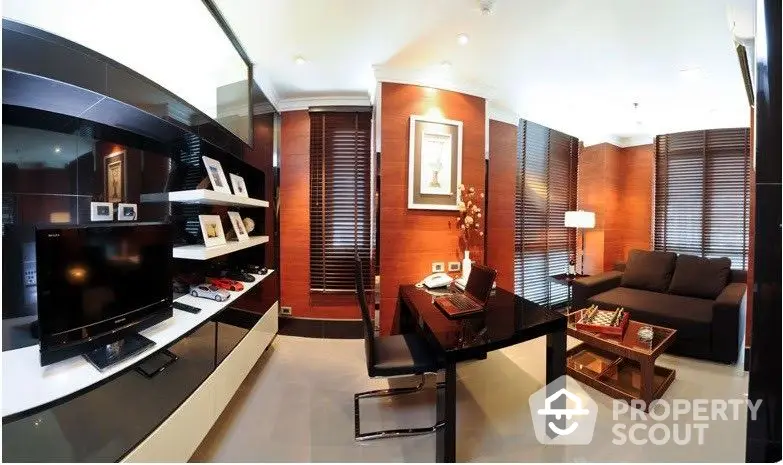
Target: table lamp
x,y
580,219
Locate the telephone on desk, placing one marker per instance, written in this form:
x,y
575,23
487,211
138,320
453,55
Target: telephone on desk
x,y
436,280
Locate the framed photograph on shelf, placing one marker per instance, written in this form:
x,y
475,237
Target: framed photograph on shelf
x,y
126,212
238,185
434,163
101,211
238,225
211,230
114,177
216,175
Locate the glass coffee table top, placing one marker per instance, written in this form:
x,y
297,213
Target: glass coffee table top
x,y
629,340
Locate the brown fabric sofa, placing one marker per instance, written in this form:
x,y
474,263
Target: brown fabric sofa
x,y
703,299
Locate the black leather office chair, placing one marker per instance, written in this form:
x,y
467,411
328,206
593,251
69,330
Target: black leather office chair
x,y
398,355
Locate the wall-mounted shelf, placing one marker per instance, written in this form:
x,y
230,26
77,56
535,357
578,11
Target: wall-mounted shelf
x,y
199,252
203,197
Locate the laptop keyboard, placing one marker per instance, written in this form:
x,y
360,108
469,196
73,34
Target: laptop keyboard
x,y
461,302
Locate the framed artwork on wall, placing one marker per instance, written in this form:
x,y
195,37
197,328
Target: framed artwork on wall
x,y
216,175
114,175
211,230
434,163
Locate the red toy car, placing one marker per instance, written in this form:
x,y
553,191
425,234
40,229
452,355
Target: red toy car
x,y
225,283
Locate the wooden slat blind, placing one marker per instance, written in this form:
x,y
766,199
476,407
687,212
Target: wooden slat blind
x,y
546,189
339,199
702,193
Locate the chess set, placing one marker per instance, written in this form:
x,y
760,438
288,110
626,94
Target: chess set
x,y
608,322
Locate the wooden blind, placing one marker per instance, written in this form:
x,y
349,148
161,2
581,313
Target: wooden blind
x,y
339,199
546,189
702,193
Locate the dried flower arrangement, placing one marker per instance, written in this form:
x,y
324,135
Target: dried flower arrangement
x,y
469,220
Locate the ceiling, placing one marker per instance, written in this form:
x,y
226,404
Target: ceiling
x,y
573,65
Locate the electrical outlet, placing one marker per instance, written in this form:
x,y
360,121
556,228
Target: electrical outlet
x,y
438,267
285,310
30,278
454,266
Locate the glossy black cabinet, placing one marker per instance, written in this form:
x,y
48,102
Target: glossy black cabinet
x,y
107,421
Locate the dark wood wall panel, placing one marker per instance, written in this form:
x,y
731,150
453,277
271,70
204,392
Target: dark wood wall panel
x,y
412,239
295,228
617,184
295,211
638,192
501,191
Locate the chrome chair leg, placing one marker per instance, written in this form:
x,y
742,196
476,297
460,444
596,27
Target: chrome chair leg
x,y
359,436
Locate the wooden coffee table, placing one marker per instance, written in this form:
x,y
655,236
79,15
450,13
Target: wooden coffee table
x,y
621,367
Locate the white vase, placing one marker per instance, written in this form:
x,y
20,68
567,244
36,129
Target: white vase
x,y
466,264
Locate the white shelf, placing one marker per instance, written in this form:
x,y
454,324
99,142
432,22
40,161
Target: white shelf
x,y
199,252
203,197
26,384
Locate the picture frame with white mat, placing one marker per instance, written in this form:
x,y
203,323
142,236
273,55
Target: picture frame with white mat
x,y
434,163
211,230
238,185
239,226
216,175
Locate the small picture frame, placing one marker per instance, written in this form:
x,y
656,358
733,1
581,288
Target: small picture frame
x,y
126,212
238,185
101,211
239,226
216,175
211,230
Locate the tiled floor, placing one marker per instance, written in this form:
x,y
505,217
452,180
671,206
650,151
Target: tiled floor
x,y
297,405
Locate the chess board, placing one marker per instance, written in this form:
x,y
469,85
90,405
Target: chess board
x,y
609,322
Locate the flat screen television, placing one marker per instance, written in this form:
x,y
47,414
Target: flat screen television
x,y
100,284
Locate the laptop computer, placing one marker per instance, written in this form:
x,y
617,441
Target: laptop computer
x,y
474,299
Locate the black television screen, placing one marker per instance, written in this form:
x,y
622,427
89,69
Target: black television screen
x,y
96,283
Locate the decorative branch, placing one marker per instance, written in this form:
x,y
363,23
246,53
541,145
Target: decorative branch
x,y
469,219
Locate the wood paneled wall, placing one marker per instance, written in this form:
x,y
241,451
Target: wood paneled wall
x,y
295,227
501,193
617,184
295,211
410,240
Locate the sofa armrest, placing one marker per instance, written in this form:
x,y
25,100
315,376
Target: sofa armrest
x,y
728,322
586,287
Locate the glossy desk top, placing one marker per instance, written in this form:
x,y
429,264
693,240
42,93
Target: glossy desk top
x,y
508,320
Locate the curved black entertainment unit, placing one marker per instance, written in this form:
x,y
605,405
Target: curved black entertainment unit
x,y
136,412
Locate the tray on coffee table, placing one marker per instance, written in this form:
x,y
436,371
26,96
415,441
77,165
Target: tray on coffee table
x,y
622,367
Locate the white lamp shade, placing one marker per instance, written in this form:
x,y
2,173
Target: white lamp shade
x,y
580,219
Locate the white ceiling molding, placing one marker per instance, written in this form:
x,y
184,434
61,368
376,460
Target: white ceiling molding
x,y
499,113
303,103
435,80
267,87
638,139
622,142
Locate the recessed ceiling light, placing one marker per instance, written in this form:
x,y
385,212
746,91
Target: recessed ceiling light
x,y
462,38
57,150
299,60
445,65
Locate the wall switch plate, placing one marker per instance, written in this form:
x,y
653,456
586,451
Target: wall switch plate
x,y
285,310
438,267
454,266
30,278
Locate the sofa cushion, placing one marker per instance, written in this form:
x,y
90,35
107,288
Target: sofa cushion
x,y
690,316
649,270
700,277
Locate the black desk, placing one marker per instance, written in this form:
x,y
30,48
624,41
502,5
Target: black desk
x,y
508,320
